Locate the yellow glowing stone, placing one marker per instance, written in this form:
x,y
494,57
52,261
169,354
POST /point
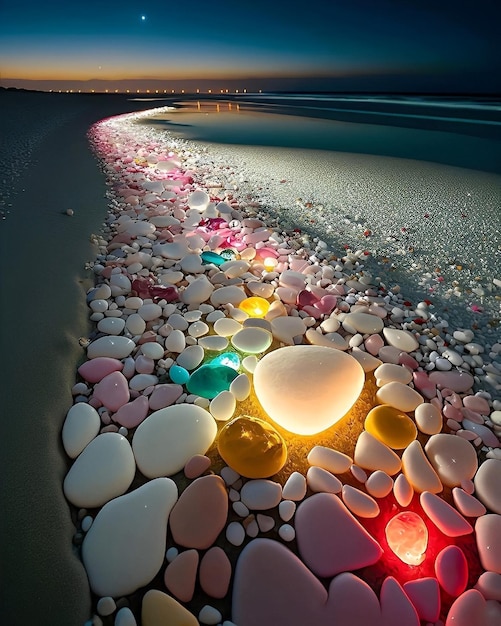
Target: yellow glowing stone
x,y
407,537
252,447
255,306
391,426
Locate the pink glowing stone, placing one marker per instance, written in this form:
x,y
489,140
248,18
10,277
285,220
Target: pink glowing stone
x,y
407,536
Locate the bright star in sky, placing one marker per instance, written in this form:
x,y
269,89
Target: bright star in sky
x,y
143,18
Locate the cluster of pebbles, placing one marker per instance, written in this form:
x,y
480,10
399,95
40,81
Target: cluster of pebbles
x,y
172,530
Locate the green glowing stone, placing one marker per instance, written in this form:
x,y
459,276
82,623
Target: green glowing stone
x,y
212,257
209,380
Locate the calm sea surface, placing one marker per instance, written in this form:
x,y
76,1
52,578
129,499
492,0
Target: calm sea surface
x,y
47,167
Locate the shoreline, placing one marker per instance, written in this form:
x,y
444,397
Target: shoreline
x,y
150,211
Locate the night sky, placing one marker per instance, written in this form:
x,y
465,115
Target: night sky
x,y
409,45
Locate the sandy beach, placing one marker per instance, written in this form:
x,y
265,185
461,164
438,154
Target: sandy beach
x,y
361,233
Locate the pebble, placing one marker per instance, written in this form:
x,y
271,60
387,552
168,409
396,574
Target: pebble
x,y
379,484
396,607
444,516
372,454
401,339
488,485
418,470
235,533
424,594
215,572
329,459
294,487
111,347
428,418
181,574
451,569
454,459
160,608
80,427
137,520
320,480
260,494
399,396
391,426
359,503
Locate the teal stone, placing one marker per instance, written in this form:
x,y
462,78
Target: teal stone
x,y
209,380
179,375
212,257
230,359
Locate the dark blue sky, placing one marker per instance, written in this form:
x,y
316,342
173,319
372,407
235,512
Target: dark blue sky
x,y
360,43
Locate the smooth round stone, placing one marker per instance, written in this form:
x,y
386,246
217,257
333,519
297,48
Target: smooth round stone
x,y
209,380
110,346
379,484
111,325
359,503
401,339
252,340
209,615
112,391
328,553
152,350
226,326
272,586
261,494
285,328
286,510
468,609
454,459
139,382
372,454
179,375
362,323
407,537
456,380
125,617
389,372
403,490
81,425
295,487
399,396
198,291
451,569
215,573
198,329
98,306
424,594
467,504
489,585
133,413
125,546
320,480
234,268
144,365
396,607
255,306
160,608
329,459
227,295
252,447
223,406
391,426
213,343
96,369
198,200
135,324
191,357
241,387
200,513
175,341
165,440
428,418
150,312
418,470
444,516
307,389
487,483
104,470
366,360
196,466
181,575
488,535
235,533
133,303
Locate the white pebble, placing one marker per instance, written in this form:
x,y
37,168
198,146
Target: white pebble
x,y
235,533
287,532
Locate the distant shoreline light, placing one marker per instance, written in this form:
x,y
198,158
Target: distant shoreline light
x,y
156,91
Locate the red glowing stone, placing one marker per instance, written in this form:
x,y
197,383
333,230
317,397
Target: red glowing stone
x,y
407,537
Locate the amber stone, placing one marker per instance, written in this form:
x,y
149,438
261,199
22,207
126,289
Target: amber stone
x,y
391,426
252,447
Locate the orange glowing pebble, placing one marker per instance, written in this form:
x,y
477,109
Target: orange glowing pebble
x,y
391,426
252,447
407,537
255,306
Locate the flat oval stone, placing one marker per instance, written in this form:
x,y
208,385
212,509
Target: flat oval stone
x,y
110,346
112,391
285,328
164,395
152,350
363,323
428,418
227,326
241,387
191,357
260,494
125,547
104,470
444,516
453,458
227,295
320,480
295,487
165,440
96,369
81,425
215,573
133,413
196,466
488,536
391,426
198,291
135,324
223,406
111,325
467,504
372,454
297,386
213,343
488,485
329,459
359,503
424,594
399,396
328,553
160,608
418,470
396,607
489,585
451,568
468,609
401,339
209,380
252,340
389,372
181,575
200,513
403,490
456,380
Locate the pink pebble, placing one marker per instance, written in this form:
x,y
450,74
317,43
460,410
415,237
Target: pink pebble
x,y
164,395
451,569
467,610
466,434
459,381
96,369
396,607
451,413
455,400
112,391
424,385
215,572
180,575
467,504
453,425
373,344
389,354
409,361
477,404
444,516
327,304
196,466
133,413
473,416
144,365
424,594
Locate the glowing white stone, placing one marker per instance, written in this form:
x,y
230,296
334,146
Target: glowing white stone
x,y
307,389
407,537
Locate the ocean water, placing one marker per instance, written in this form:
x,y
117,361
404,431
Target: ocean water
x,y
48,167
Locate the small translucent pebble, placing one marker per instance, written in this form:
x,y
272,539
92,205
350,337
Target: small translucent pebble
x,y
379,484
